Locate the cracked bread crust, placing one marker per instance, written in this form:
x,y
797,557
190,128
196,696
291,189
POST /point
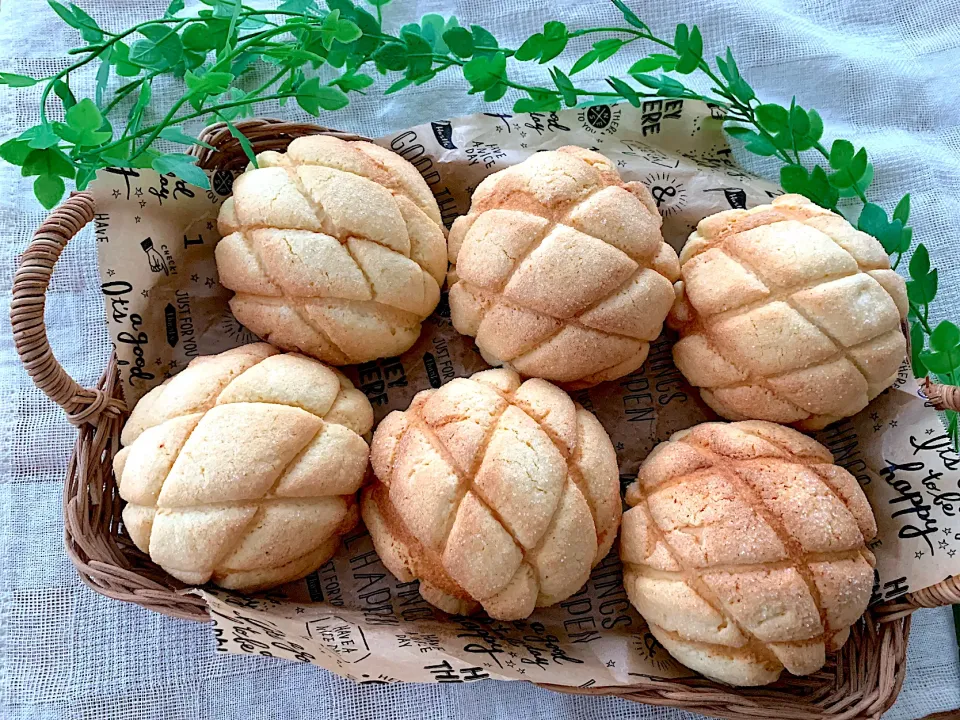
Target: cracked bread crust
x,y
559,269
787,313
744,550
334,249
493,493
243,469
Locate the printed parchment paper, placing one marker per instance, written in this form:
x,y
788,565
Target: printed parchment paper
x,y
164,307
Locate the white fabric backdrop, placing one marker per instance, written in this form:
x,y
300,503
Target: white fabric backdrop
x,y
882,74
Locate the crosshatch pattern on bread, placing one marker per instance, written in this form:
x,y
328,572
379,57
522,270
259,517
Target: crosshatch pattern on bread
x,y
334,249
493,493
560,270
787,313
243,469
744,550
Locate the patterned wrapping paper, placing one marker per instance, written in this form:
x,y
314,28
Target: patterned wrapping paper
x,y
164,306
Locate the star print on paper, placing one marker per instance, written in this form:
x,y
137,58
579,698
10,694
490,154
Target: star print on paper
x,y
621,163
167,375
143,204
947,531
209,226
209,282
512,654
893,423
523,145
195,277
611,663
929,431
510,663
111,273
136,218
145,293
877,427
116,194
943,544
619,446
918,554
299,609
951,553
522,671
159,362
874,416
173,364
138,192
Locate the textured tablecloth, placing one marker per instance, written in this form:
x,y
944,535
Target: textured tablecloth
x,y
886,75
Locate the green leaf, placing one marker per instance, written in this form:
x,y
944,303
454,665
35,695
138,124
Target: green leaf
x,y
48,189
353,81
346,31
419,55
728,68
89,30
742,91
210,83
160,50
65,94
585,61
15,151
482,72
629,15
483,42
14,80
687,63
858,165
173,8
530,49
625,90
941,362
916,347
555,38
183,166
398,86
605,49
902,211
197,36
695,46
175,134
379,3
738,131
644,65
392,56
772,118
460,42
494,93
862,183
945,337
545,103
41,137
84,176
920,263
85,115
841,153
49,161
565,86
242,139
820,190
681,37
312,96
873,220
906,239
923,291
816,126
794,179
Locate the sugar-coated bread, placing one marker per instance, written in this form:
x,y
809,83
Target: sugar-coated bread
x,y
787,313
243,469
744,549
493,493
560,271
334,249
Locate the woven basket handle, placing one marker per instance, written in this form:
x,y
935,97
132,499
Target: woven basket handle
x,y
30,284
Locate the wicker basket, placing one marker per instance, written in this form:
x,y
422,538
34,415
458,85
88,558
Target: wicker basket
x,y
861,681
